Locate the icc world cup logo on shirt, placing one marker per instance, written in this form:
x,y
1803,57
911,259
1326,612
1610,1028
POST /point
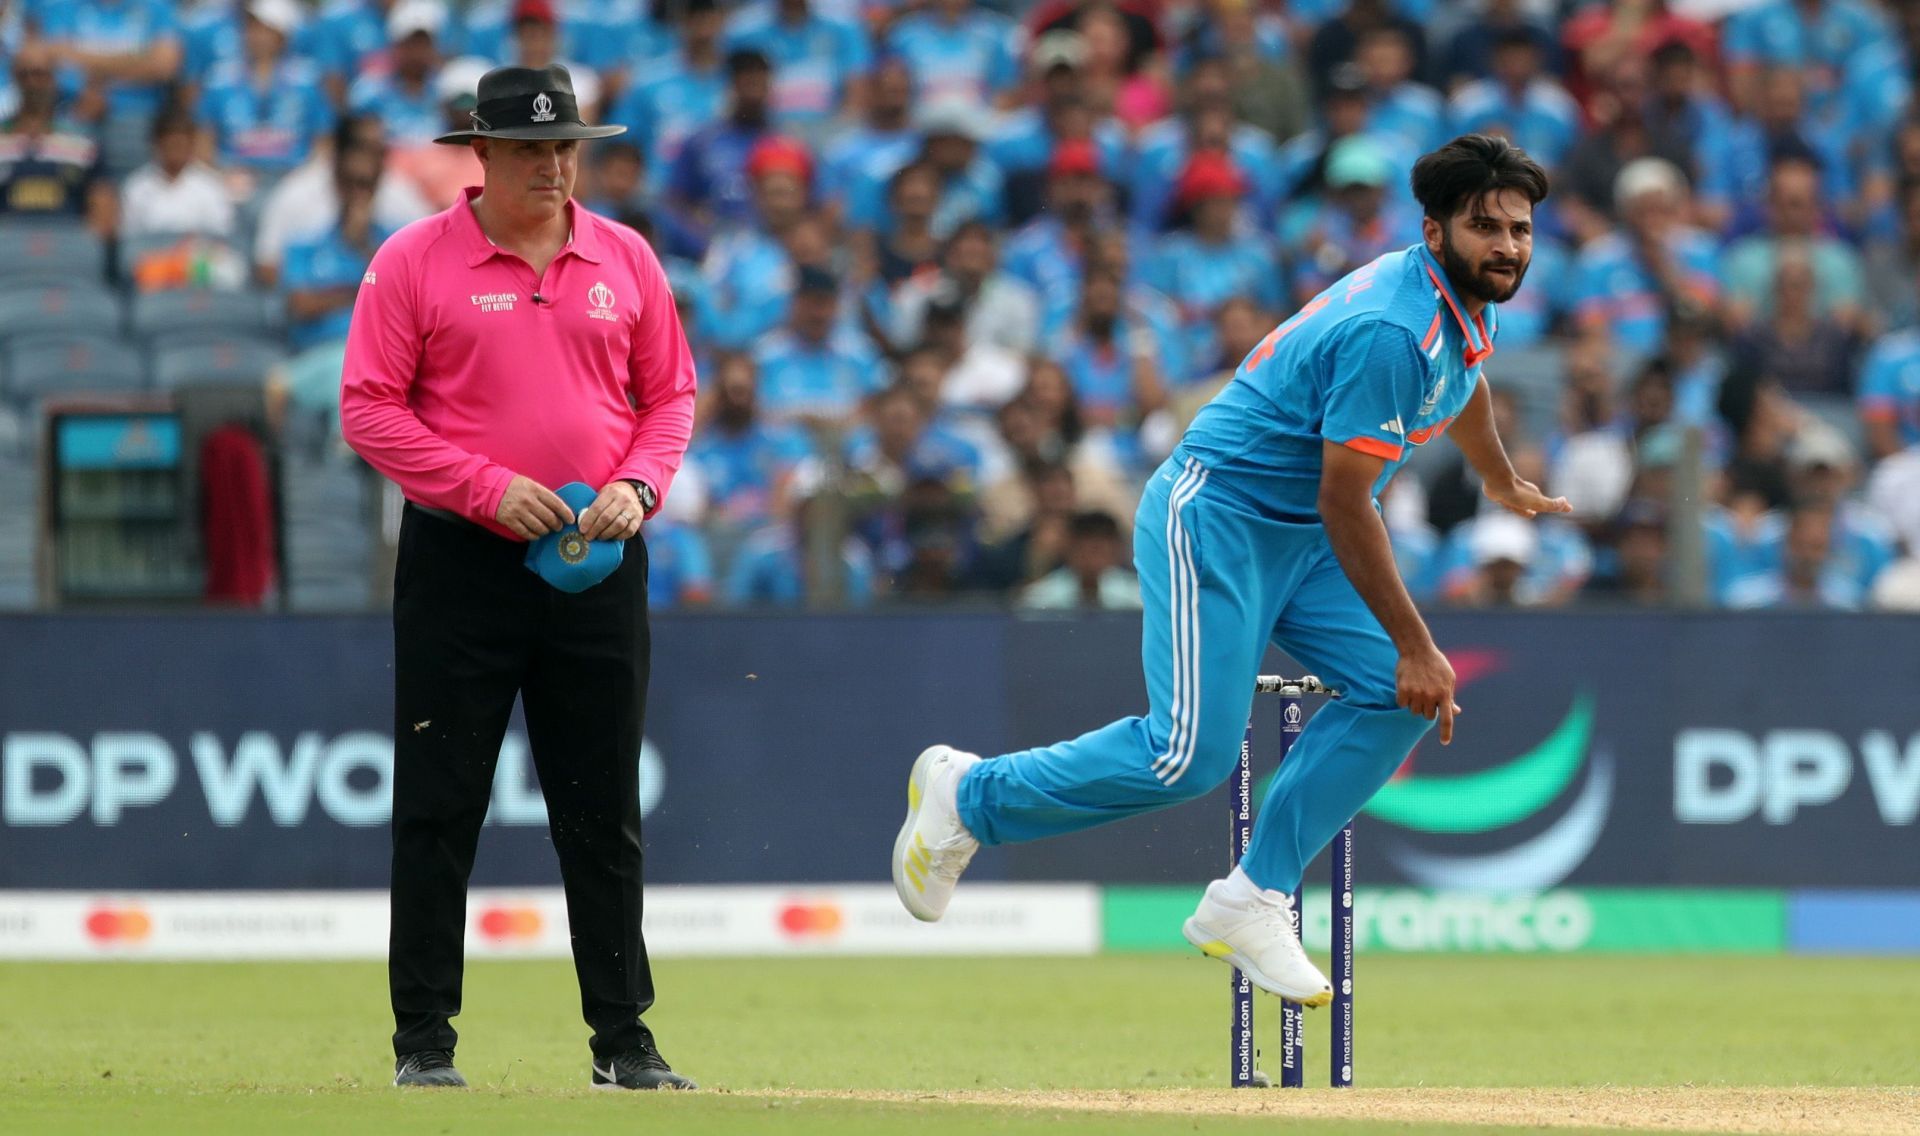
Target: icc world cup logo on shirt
x,y
542,108
601,297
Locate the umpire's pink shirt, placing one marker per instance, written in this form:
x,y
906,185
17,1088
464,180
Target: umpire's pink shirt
x,y
456,379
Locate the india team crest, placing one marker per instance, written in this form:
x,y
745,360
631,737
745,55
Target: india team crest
x,y
601,297
542,108
572,547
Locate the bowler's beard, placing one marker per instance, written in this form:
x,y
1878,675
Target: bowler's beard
x,y
1474,281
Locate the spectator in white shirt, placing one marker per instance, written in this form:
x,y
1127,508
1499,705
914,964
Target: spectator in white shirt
x,y
303,205
175,193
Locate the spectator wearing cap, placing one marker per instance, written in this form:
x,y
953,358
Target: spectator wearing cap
x,y
1401,105
1025,139
1821,38
1551,557
672,97
819,63
405,94
1519,101
749,267
124,51
215,33
266,110
536,43
1212,254
815,368
1000,309
709,182
305,203
746,462
1468,57
959,48
322,275
1812,354
1779,126
884,141
1751,264
1206,122
49,164
1619,133
1301,165
1355,222
439,173
1049,253
1629,280
1501,549
1889,392
951,131
175,192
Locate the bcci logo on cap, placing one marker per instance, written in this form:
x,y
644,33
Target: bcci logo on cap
x,y
542,108
601,297
572,547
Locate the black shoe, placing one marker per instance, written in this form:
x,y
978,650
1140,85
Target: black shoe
x,y
641,1068
429,1068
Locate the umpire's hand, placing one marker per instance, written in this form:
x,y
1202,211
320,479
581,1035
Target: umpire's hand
x,y
530,510
614,515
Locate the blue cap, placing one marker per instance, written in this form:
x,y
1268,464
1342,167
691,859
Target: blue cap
x,y
568,560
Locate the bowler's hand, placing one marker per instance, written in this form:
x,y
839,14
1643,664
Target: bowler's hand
x,y
1423,683
1524,497
614,515
530,510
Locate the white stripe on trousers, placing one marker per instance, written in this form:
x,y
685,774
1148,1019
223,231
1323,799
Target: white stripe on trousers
x,y
1184,602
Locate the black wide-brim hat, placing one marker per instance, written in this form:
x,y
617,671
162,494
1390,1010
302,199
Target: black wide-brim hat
x,y
529,104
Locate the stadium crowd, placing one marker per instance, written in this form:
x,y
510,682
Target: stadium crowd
x,y
956,275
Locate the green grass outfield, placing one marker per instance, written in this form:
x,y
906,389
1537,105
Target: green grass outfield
x,y
926,1046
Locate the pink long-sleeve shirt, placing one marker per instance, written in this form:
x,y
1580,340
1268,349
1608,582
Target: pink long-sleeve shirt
x,y
457,379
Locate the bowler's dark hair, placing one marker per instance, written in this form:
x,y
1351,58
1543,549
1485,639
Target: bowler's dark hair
x,y
1467,169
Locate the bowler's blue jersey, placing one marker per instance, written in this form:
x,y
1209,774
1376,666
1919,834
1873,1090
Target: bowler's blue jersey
x,y
1382,361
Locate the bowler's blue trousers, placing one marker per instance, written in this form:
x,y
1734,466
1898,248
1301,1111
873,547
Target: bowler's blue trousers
x,y
1218,582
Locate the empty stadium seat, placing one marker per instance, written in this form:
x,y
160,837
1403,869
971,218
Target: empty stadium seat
x,y
50,250
197,310
40,366
46,308
187,359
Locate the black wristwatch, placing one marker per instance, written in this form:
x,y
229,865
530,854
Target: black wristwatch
x,y
648,498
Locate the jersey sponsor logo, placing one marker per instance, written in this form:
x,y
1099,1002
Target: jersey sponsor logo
x,y
368,278
495,301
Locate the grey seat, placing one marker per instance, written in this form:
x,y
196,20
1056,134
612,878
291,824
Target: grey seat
x,y
191,311
187,359
47,308
61,250
41,366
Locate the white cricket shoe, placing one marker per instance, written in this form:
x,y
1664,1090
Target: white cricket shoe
x,y
934,846
1251,928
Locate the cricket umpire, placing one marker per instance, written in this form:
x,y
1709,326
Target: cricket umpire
x,y
500,352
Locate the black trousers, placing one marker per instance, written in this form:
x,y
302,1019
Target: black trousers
x,y
472,629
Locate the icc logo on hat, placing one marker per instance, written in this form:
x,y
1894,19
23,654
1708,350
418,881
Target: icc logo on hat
x,y
542,108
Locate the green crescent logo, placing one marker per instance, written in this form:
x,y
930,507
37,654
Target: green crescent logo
x,y
1492,798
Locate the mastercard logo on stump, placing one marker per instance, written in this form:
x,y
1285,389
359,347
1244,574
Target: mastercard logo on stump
x,y
807,920
113,925
509,924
